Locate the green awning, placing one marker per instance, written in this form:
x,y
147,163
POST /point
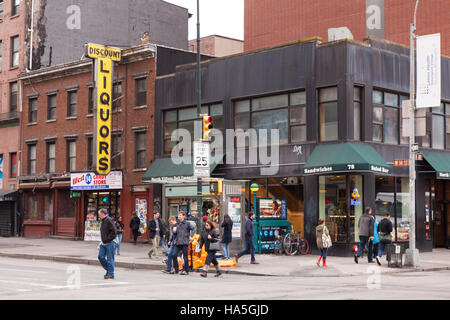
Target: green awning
x,y
164,170
345,157
440,163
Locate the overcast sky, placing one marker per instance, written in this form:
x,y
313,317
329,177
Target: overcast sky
x,y
220,17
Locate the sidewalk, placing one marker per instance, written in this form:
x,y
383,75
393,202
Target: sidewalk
x,y
135,257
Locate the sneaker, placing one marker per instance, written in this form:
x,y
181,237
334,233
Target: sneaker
x,y
378,260
254,262
165,271
218,274
356,259
204,274
184,273
108,277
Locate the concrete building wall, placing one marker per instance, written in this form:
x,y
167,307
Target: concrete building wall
x,y
62,27
217,46
269,23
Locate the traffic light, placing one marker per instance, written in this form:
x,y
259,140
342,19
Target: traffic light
x,y
207,126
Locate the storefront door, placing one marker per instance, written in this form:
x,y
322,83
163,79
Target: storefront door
x,y
439,212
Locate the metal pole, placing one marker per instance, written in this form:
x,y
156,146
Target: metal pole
x,y
31,35
412,254
199,112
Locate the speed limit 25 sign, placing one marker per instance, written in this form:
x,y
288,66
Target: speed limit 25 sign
x,y
201,159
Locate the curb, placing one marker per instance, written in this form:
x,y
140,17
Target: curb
x,y
144,266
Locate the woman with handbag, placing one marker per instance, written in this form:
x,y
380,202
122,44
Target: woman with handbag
x,y
210,238
385,229
323,240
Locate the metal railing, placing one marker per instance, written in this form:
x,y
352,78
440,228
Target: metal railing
x,y
9,116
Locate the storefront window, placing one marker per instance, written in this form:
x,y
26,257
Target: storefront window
x,y
356,205
392,196
384,197
291,189
103,200
32,210
333,206
402,209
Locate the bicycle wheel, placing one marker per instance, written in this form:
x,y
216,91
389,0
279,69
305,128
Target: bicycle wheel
x,y
278,247
303,246
287,244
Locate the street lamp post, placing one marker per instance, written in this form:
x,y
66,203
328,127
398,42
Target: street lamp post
x,y
199,110
412,254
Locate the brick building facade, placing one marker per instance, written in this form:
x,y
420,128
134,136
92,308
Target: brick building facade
x,y
57,133
269,22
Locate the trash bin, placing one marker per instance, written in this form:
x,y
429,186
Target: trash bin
x,y
395,255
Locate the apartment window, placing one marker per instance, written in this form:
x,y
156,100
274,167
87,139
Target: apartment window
x,y
140,150
385,117
71,103
297,118
184,118
328,108
13,97
116,151
117,96
90,152
91,101
435,128
403,140
1,9
71,155
32,110
357,113
13,165
32,159
51,107
51,155
141,92
14,51
15,7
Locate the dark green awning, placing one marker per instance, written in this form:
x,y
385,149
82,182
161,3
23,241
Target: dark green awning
x,y
164,170
440,162
345,157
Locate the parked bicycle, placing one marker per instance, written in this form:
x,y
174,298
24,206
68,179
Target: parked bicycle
x,y
278,246
294,243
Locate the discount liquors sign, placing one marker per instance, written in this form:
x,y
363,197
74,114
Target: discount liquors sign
x,y
104,58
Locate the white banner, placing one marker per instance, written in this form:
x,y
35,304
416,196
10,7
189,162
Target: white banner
x,y
92,181
429,71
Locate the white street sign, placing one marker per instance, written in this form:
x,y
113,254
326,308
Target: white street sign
x,y
201,159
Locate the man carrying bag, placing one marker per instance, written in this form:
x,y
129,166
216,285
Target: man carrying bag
x,y
385,229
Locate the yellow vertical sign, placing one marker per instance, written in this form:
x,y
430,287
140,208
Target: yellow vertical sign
x,y
103,128
103,60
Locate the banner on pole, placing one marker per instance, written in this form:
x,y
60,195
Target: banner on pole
x,y
429,71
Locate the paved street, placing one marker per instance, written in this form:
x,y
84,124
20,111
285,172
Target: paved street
x,y
34,279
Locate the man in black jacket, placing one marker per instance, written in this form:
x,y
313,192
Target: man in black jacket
x,y
135,223
107,246
156,231
384,228
249,242
182,237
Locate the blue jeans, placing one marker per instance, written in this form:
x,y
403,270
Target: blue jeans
x,y
226,250
107,251
119,240
170,257
183,249
363,240
323,253
381,249
249,248
164,245
210,258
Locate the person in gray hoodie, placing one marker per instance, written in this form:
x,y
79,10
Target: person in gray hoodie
x,y
365,229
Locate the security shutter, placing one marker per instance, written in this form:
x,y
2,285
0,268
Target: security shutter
x,y
5,219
